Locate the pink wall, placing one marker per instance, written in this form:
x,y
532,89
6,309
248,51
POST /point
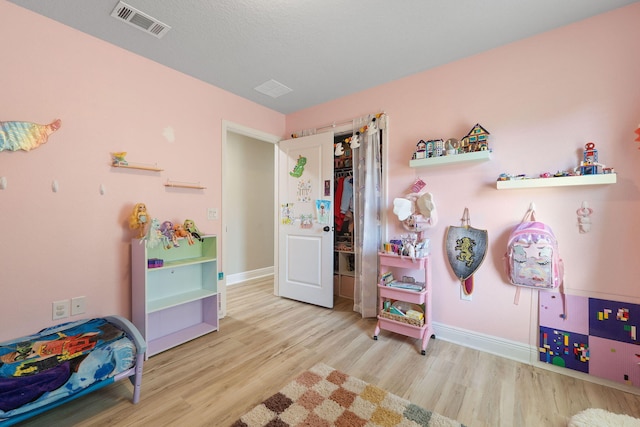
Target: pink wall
x,y
76,242
542,99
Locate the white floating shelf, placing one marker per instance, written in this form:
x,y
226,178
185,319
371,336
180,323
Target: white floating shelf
x,y
603,178
454,158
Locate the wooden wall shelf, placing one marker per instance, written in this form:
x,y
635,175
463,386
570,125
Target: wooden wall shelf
x,y
139,166
177,184
455,158
598,179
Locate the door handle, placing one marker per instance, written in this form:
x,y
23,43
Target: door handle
x,y
326,228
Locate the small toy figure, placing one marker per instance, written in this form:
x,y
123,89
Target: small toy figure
x,y
180,231
118,158
166,228
190,226
139,219
154,237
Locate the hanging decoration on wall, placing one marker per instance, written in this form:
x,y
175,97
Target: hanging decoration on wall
x,y
584,222
638,137
25,135
417,210
466,248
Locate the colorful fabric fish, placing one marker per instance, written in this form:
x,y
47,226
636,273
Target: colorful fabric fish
x,y
25,135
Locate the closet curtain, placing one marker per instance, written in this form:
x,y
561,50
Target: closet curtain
x,y
367,180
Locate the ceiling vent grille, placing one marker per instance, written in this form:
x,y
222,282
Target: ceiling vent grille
x,y
140,20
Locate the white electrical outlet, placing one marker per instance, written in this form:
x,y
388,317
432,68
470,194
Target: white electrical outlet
x,y
78,305
463,296
212,214
60,309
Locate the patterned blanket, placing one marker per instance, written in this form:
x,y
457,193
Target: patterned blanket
x,y
323,396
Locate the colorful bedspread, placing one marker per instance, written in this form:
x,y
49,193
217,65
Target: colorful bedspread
x,y
60,361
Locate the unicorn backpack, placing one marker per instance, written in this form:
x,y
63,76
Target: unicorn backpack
x,y
532,259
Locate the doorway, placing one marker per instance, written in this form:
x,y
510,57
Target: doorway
x,y
248,207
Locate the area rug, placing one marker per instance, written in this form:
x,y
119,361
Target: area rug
x,y
323,397
601,418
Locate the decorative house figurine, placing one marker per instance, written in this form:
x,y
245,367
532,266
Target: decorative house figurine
x,y
421,150
476,140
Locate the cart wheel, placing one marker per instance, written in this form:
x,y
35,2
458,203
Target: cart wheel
x,y
433,336
423,352
375,338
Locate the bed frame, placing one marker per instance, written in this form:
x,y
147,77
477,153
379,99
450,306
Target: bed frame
x,y
134,374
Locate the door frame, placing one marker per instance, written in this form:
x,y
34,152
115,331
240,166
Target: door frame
x,y
231,127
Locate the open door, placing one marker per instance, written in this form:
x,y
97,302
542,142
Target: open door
x,y
305,223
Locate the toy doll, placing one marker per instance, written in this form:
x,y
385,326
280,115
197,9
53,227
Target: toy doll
x,y
139,219
166,228
180,231
190,226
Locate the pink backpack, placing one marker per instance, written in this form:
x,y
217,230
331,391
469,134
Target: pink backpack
x,y
532,259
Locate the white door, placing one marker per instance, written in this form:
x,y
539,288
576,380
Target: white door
x,y
305,223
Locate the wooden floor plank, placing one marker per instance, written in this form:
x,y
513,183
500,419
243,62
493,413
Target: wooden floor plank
x,y
266,341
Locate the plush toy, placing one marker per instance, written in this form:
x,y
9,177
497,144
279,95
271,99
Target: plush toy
x,y
166,228
180,231
190,226
139,219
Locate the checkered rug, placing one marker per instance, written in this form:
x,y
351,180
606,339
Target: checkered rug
x,y
323,397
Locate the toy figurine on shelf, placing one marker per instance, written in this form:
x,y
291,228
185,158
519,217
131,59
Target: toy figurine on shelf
x,y
180,231
118,158
166,228
154,236
589,164
139,219
190,226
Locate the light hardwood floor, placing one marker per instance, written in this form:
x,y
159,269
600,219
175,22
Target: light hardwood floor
x,y
266,341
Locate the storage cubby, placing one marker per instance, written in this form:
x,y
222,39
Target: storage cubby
x,y
178,301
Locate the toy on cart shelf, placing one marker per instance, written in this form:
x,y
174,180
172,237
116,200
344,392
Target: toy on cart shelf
x,y
476,140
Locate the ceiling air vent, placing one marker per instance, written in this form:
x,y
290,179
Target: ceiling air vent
x,y
140,20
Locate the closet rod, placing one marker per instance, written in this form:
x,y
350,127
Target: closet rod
x,y
347,122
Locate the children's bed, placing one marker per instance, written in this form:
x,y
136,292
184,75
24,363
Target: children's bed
x,y
44,370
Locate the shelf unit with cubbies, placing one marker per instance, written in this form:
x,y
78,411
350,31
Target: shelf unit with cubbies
x,y
177,301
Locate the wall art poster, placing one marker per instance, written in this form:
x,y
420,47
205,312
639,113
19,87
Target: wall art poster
x,y
323,211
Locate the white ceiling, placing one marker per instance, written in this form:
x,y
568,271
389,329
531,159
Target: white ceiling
x,y
322,49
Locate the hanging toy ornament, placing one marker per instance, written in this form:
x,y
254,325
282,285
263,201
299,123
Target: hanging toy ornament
x,y
355,140
339,149
638,133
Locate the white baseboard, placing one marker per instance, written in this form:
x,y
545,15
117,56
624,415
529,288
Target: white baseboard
x,y
517,351
513,350
234,279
